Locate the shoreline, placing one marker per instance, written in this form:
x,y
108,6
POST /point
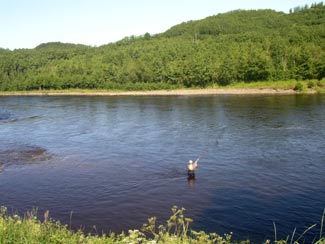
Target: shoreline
x,y
177,92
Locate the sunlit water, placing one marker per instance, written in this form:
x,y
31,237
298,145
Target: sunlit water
x,y
113,162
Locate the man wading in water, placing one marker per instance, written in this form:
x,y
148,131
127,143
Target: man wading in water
x,y
191,166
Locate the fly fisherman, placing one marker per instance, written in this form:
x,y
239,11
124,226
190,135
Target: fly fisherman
x,y
191,166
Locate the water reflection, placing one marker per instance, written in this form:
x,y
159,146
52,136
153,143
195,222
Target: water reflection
x,y
191,181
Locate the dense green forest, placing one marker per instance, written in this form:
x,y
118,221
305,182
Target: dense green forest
x,y
238,46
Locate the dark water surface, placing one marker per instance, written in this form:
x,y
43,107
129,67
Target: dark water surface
x,y
115,161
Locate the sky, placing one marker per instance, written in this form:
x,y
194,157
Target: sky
x,y
28,23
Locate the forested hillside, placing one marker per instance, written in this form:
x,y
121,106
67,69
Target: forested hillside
x,y
237,46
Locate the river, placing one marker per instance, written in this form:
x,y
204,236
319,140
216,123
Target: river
x,y
115,161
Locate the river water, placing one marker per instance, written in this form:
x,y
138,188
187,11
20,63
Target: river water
x,y
115,161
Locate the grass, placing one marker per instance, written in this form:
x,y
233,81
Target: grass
x,y
113,87
264,84
30,230
299,86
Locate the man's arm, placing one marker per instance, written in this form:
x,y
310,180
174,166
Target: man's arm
x,y
196,162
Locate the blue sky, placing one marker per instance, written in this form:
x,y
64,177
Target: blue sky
x,y
27,23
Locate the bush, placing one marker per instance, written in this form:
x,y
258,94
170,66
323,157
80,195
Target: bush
x,y
311,84
321,83
299,87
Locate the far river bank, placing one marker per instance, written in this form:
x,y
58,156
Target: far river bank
x,y
176,92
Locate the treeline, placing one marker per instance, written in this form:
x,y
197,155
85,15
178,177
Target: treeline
x,y
238,46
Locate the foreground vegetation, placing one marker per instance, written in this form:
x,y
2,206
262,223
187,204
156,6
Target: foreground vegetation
x,y
30,230
225,49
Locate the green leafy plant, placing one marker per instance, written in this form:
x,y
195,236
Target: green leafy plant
x,y
311,84
176,230
299,87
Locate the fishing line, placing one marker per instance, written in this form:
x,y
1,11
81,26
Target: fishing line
x,y
212,142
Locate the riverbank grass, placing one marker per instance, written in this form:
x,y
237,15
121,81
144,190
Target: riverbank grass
x,y
308,86
300,86
30,230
